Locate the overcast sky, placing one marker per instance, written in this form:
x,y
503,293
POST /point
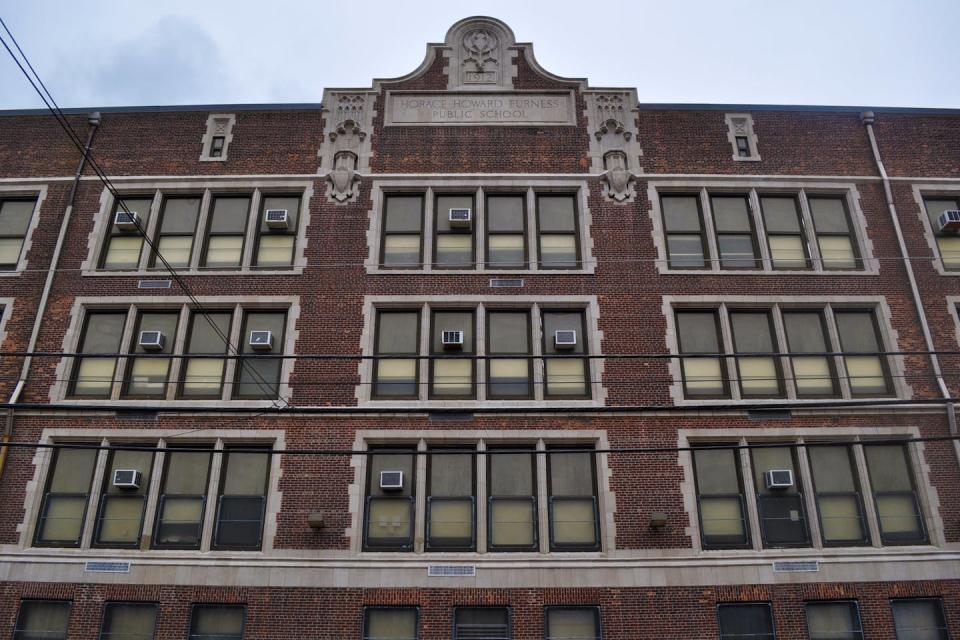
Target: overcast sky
x,y
833,52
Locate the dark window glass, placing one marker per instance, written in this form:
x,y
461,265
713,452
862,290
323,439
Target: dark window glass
x,y
217,622
390,623
508,333
259,377
557,222
389,513
834,621
919,619
704,376
183,497
42,620
506,232
947,242
838,246
178,224
203,377
759,374
512,511
481,623
573,623
398,333
452,377
734,227
565,376
402,229
839,502
15,217
123,246
147,377
683,223
226,232
120,521
894,494
450,501
868,373
128,621
216,146
814,376
743,147
275,245
102,332
723,519
783,518
572,495
746,622
452,246
242,500
65,500
785,236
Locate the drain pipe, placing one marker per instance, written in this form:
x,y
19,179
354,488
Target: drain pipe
x,y
867,117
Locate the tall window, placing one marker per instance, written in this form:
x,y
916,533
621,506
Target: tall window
x,y
704,376
868,372
746,621
735,237
178,224
947,242
753,333
125,243
217,622
42,620
566,376
780,504
65,499
834,621
838,498
242,501
683,221
720,498
838,247
814,376
919,619
572,488
183,497
512,501
102,333
786,238
390,623
122,505
450,504
452,334
508,333
259,377
573,623
452,245
128,621
506,232
15,217
894,494
402,232
390,500
155,334
226,231
481,623
275,241
557,222
398,334
203,377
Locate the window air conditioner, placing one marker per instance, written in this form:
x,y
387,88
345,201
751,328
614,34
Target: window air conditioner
x,y
460,218
391,480
126,479
565,339
126,221
778,478
452,339
151,340
261,340
949,220
276,218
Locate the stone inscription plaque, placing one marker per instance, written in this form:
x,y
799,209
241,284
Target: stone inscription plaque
x,y
480,108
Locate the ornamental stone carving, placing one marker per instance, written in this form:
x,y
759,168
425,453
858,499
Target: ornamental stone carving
x,y
343,178
345,150
619,180
479,55
480,64
611,118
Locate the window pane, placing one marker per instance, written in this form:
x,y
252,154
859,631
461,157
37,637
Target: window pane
x,y
65,501
566,378
722,518
737,252
10,251
788,252
121,509
573,624
275,251
260,377
389,522
15,216
833,621
781,510
123,252
897,506
212,622
208,332
451,474
175,250
292,206
557,213
685,251
949,251
780,214
390,623
404,214
753,333
72,470
229,215
42,620
224,251
919,619
698,332
746,621
731,214
838,497
935,208
571,474
512,474
397,332
837,252
829,215
140,206
123,621
506,251
454,250
681,213
554,321
180,511
858,334
179,216
401,250
558,251
505,213
486,623
513,505
391,462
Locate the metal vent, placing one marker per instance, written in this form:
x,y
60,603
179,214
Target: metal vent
x,y
497,283
451,570
107,567
796,565
153,284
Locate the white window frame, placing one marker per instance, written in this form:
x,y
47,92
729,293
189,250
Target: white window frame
x,y
703,188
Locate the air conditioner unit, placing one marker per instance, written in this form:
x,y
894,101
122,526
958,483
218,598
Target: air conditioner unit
x,y
460,218
778,478
276,218
126,479
949,220
452,339
565,339
261,340
151,340
391,480
126,221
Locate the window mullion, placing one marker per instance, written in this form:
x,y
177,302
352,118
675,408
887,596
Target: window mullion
x,y
93,501
151,232
420,500
536,344
479,231
709,231
481,499
809,232
809,498
250,234
427,231
423,348
543,507
866,494
123,361
179,347
838,361
786,364
750,496
480,349
532,238
210,508
230,367
760,229
199,233
153,496
730,370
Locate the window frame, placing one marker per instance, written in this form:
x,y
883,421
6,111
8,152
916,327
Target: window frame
x,y
597,619
534,499
131,355
216,605
436,233
584,358
924,535
235,389
458,608
717,313
525,232
751,221
421,263
228,449
364,633
161,495
378,314
861,507
17,631
807,542
814,603
209,233
923,193
43,505
259,234
101,502
366,545
152,261
551,498
119,359
708,262
767,604
858,259
538,194
531,383
35,200
742,497
432,394
429,499
936,599
110,603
